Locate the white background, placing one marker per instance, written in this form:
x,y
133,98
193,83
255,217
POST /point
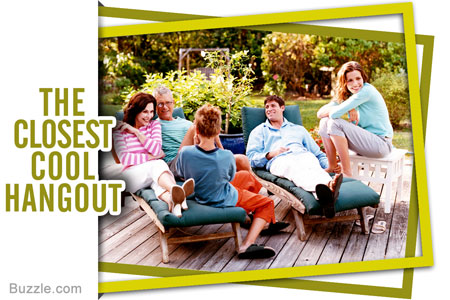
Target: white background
x,y
54,44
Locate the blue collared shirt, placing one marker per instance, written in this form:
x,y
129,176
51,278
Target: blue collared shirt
x,y
265,138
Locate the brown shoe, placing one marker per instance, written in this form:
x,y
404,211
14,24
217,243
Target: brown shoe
x,y
178,197
188,187
326,200
335,185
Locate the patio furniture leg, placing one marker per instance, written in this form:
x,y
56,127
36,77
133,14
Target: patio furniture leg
x,y
164,246
400,181
299,224
237,235
363,220
388,187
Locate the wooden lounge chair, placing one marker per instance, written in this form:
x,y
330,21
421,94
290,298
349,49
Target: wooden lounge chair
x,y
353,194
196,215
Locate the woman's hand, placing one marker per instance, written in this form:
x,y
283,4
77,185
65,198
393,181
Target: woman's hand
x,y
125,127
324,111
353,116
159,156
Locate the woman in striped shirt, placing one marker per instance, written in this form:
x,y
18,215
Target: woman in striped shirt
x,y
137,142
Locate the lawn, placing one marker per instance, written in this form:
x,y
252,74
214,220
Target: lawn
x,y
308,109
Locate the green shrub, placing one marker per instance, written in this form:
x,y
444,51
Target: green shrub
x,y
125,66
394,88
274,85
228,88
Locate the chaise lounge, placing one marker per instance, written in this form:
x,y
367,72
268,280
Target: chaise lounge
x,y
353,193
196,215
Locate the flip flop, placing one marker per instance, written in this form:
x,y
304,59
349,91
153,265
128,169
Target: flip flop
x,y
379,227
340,178
369,217
326,200
257,251
274,228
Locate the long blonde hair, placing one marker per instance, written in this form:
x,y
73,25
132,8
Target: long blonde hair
x,y
342,93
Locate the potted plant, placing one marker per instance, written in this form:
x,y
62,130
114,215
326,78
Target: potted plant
x,y
228,88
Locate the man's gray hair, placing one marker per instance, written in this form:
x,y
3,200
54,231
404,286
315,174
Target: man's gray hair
x,y
161,91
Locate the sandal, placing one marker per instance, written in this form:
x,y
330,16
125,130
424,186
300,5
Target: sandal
x,y
274,228
369,217
339,178
326,199
379,227
257,251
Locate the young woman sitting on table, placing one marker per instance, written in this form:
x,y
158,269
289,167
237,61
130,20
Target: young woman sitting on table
x,y
368,131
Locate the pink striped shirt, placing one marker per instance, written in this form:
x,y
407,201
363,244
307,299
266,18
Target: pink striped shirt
x,y
131,151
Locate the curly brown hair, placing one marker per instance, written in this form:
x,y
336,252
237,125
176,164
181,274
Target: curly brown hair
x,y
342,93
137,103
208,120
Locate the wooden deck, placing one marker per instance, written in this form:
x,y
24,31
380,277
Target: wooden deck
x,y
132,238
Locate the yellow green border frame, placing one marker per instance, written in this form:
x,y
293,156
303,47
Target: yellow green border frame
x,y
187,277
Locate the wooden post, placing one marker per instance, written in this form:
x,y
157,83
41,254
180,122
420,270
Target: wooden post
x,y
164,247
363,220
299,224
237,235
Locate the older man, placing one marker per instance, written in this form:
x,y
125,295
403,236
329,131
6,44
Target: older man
x,y
178,132
288,150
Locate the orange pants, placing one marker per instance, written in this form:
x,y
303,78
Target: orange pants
x,y
249,199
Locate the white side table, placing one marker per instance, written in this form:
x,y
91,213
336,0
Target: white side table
x,y
392,165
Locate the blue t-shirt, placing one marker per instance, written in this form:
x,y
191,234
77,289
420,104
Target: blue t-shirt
x,y
173,133
212,171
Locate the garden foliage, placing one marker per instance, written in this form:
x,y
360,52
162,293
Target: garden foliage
x,y
394,89
227,88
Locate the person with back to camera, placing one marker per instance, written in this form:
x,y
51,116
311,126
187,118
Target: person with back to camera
x,y
368,131
218,184
137,143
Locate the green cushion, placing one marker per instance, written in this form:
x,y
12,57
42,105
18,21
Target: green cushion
x,y
177,112
352,194
253,116
197,214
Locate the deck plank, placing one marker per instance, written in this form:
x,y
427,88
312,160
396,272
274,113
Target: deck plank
x,y
205,250
123,235
315,245
337,242
119,224
132,243
277,241
132,238
154,258
108,219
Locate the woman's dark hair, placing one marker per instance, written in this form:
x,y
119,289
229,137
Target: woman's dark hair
x,y
137,103
275,98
